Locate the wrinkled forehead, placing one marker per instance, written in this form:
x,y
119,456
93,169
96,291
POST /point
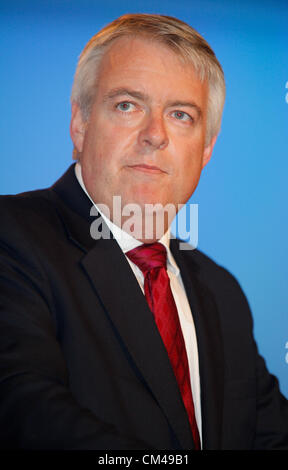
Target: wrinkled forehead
x,y
135,47
144,58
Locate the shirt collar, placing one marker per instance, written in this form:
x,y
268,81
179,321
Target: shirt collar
x,y
124,239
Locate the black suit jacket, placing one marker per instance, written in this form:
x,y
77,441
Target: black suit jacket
x,y
82,365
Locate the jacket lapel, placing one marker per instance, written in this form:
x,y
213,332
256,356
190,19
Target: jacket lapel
x,y
209,341
124,304
131,318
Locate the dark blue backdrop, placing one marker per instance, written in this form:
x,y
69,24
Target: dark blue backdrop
x,y
243,192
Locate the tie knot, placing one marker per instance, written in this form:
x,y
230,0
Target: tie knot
x,y
148,256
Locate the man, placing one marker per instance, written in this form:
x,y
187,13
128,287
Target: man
x,y
85,359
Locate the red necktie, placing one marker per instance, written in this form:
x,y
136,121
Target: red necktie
x,y
151,259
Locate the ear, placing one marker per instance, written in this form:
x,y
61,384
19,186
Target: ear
x,y
77,128
208,151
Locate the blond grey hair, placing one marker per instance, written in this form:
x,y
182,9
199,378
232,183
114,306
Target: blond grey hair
x,y
185,41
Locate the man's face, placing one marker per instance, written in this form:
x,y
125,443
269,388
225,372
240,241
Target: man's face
x,y
145,138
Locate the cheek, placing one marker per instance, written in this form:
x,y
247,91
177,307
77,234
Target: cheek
x,y
187,169
113,144
187,157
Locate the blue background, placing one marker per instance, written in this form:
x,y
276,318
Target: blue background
x,y
242,194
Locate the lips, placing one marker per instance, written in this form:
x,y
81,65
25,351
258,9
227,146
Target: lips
x,y
144,168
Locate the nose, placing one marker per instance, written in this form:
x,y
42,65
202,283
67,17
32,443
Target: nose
x,y
153,135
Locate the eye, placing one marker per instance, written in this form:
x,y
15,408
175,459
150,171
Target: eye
x,y
125,106
182,116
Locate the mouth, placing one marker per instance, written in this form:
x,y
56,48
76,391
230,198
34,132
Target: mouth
x,y
143,168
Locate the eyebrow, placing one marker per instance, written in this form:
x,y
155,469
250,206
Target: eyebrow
x,y
189,104
143,97
125,91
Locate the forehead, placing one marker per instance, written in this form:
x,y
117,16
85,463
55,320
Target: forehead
x,y
140,49
148,65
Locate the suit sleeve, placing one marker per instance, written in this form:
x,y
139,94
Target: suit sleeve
x,y
270,415
271,431
37,409
272,412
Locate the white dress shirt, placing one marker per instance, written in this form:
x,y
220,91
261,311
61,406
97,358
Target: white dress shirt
x,y
126,243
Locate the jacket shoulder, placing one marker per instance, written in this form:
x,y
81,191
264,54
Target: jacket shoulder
x,y
31,202
218,281
29,215
207,268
